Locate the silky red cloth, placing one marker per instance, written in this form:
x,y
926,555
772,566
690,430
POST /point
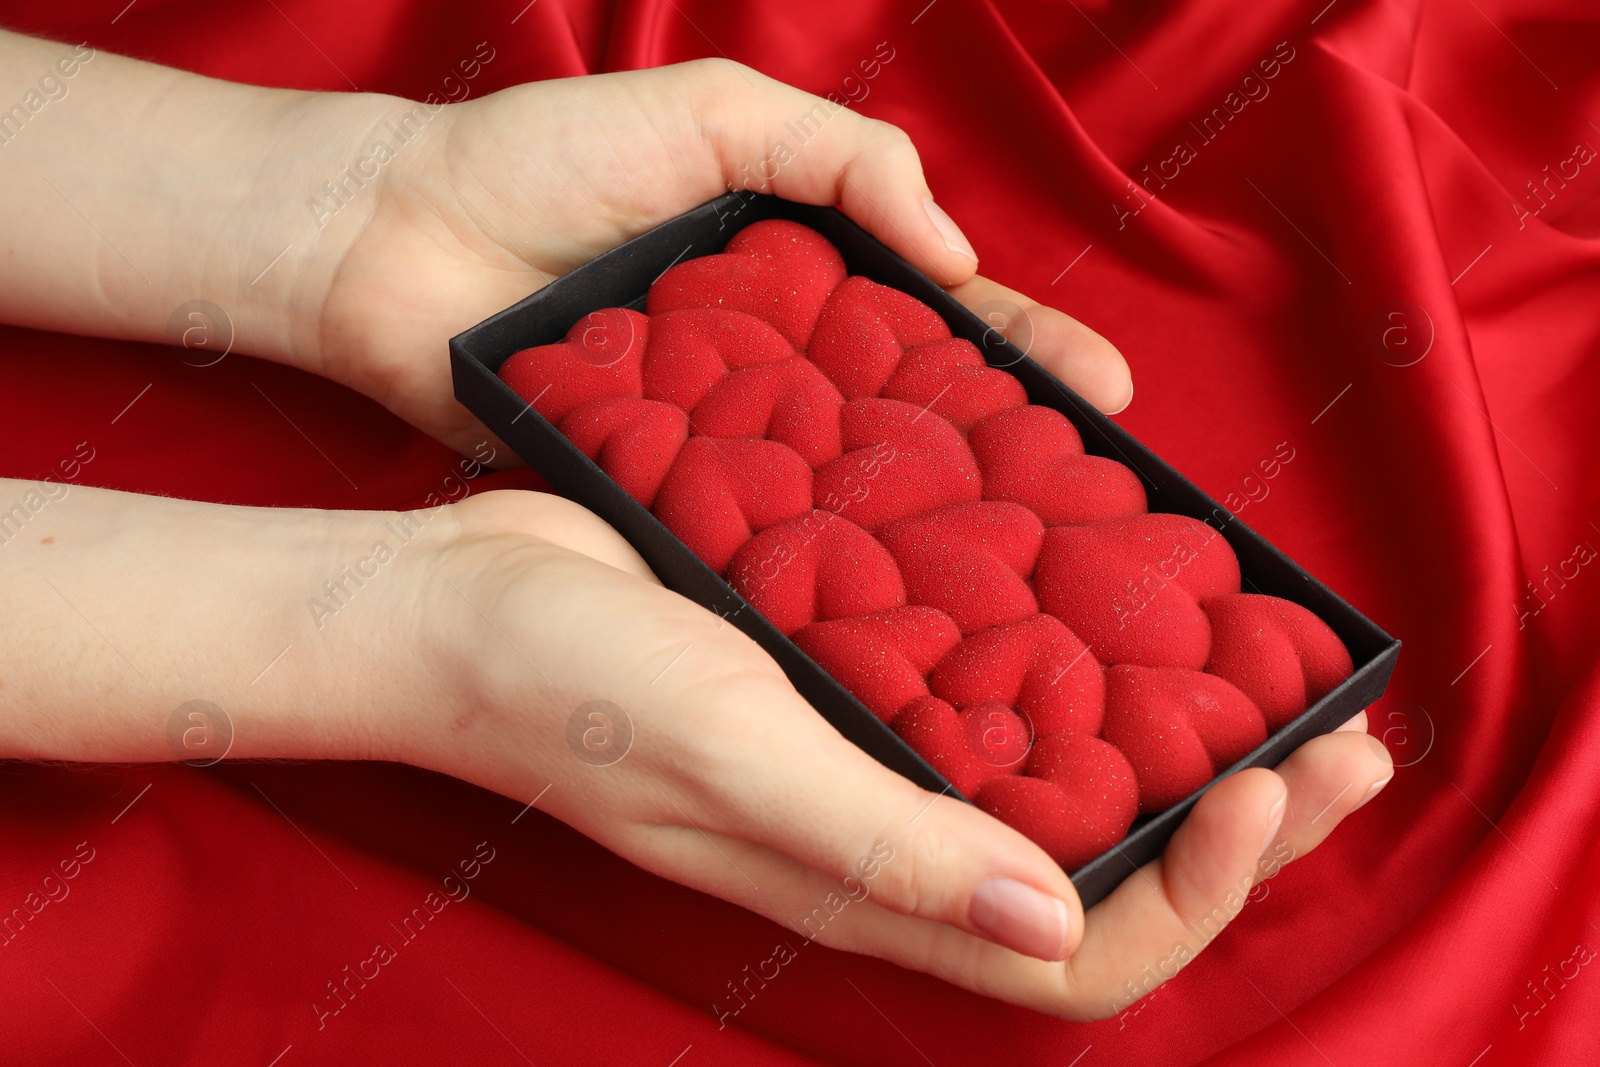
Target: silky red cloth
x,y
1367,206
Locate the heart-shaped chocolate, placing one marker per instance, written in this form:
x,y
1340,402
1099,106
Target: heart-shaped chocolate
x,y
1178,728
1009,444
953,742
1131,587
883,658
601,357
997,735
633,440
691,350
969,560
779,271
862,332
1077,800
949,377
789,402
1034,456
1037,666
720,490
898,461
1275,651
818,566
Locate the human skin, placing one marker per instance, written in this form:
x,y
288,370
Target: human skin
x,y
469,651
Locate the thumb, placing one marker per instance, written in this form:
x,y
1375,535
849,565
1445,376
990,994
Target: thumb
x,y
830,806
768,137
1160,918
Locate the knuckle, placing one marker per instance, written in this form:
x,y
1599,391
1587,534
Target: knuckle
x,y
891,137
720,68
721,724
916,881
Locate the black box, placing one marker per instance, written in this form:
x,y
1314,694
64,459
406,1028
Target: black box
x,y
621,277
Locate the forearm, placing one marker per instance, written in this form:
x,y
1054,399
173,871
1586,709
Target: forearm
x,y
135,189
116,610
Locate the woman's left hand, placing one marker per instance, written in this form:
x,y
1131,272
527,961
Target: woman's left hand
x,y
496,197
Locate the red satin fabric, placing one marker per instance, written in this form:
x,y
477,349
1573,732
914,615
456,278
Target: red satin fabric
x,y
1363,210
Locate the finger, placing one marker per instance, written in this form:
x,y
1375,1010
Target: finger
x,y
1160,918
830,806
1324,781
847,914
1193,913
1358,722
768,137
1328,777
1081,358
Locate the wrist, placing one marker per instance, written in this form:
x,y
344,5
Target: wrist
x,y
272,227
122,609
156,192
508,577
321,175
139,187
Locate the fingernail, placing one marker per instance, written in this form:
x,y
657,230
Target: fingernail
x,y
1274,820
1125,403
1380,750
1020,917
954,239
1373,790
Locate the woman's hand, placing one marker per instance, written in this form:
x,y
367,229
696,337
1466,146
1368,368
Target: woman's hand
x,y
516,641
498,196
666,734
352,234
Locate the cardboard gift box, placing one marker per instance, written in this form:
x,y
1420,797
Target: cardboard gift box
x,y
621,278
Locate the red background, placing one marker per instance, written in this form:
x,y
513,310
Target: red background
x,y
1378,178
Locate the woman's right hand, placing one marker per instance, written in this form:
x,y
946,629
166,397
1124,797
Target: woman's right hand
x,y
477,638
667,735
